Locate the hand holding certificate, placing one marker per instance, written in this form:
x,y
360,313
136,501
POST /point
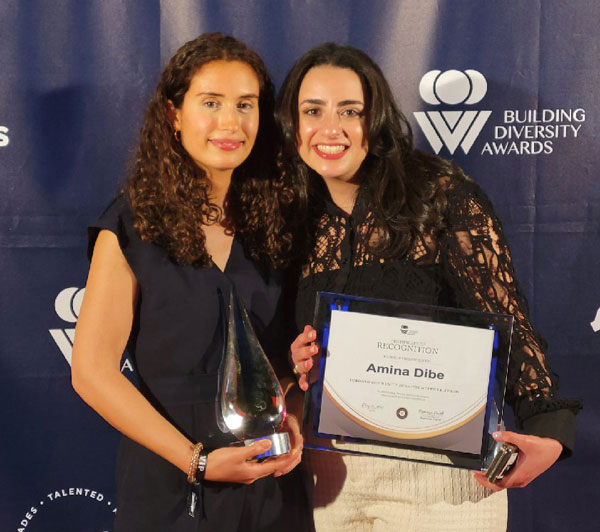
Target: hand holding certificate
x,y
535,456
406,381
303,349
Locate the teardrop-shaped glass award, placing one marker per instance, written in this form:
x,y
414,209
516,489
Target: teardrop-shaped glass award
x,y
252,400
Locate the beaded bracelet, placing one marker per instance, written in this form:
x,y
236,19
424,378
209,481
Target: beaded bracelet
x,y
191,476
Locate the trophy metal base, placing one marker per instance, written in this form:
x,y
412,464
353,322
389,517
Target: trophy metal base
x,y
280,444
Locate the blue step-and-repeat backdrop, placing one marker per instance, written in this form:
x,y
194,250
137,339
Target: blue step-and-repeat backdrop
x,y
507,89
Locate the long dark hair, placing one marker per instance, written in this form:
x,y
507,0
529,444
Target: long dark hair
x,y
399,184
169,194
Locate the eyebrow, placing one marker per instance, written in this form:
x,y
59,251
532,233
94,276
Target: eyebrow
x,y
218,94
339,104
350,102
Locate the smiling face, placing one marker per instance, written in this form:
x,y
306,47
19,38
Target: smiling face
x,y
332,136
218,118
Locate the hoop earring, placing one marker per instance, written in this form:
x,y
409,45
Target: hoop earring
x,y
177,135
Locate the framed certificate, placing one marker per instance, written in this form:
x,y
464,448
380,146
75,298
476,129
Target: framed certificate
x,y
407,381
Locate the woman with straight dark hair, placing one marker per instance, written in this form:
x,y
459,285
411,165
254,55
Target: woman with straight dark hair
x,y
378,218
201,210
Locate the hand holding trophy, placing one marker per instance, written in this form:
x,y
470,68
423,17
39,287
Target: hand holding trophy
x,y
252,403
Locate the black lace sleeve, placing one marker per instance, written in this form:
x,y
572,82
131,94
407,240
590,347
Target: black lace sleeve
x,y
478,266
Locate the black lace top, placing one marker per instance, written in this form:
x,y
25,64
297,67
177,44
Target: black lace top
x,y
467,265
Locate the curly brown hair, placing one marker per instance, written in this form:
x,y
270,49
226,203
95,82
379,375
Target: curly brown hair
x,y
399,184
169,194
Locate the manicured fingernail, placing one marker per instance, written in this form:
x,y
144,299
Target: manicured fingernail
x,y
496,435
313,349
312,335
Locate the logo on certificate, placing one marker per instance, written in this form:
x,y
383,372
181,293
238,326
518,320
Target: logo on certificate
x,y
402,413
405,330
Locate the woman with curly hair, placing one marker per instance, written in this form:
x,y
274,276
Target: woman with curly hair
x,y
379,218
202,209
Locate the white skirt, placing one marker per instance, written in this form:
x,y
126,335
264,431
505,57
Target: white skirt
x,y
352,493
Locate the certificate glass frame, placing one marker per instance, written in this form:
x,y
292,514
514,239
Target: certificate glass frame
x,y
407,381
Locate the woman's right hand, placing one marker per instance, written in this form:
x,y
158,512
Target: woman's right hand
x,y
303,348
234,464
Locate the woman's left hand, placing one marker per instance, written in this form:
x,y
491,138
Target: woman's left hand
x,y
535,456
292,459
302,351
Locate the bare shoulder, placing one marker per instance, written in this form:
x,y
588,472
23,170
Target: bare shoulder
x,y
107,252
111,289
107,311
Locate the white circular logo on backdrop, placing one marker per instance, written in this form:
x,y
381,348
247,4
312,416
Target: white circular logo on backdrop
x,y
521,131
67,306
68,303
453,87
452,127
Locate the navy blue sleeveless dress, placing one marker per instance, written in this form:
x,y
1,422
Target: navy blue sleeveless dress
x,y
176,344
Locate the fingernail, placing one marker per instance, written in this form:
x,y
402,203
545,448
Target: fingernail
x,y
496,435
313,349
312,335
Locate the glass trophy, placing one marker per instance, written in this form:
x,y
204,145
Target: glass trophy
x,y
407,381
252,404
